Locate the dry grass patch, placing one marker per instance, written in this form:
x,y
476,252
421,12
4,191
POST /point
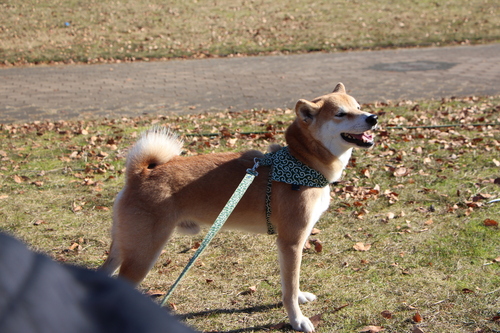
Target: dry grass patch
x,y
66,31
407,231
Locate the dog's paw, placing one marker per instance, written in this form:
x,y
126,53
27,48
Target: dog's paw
x,y
302,324
306,297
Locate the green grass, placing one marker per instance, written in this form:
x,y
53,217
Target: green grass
x,y
430,250
68,31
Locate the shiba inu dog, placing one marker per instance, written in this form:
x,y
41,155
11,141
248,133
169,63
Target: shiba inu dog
x,y
164,191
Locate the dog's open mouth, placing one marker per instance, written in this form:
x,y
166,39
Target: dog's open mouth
x,y
364,140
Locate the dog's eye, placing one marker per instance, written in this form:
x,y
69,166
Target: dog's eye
x,y
341,114
359,107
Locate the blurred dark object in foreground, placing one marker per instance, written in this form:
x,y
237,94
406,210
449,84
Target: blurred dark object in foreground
x,y
40,295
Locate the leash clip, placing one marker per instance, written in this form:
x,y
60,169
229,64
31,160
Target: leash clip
x,y
253,170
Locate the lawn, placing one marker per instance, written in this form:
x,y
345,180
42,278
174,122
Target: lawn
x,y
34,31
409,243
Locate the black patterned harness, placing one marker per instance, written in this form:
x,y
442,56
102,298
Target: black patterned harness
x,y
287,169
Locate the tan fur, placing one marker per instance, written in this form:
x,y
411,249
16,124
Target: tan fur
x,y
164,191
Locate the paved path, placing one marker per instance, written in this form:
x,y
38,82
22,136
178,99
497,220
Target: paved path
x,y
128,89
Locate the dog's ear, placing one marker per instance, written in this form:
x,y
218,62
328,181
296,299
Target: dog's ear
x,y
306,110
339,88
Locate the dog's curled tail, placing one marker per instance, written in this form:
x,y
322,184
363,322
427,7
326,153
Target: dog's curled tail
x,y
156,146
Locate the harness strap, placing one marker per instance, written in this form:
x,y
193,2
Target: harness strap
x,y
270,227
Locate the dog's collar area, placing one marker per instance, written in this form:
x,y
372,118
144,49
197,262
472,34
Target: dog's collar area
x,y
287,169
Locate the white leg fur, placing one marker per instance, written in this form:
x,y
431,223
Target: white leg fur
x,y
305,297
290,251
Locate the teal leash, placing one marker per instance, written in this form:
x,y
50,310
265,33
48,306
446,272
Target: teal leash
x,y
219,222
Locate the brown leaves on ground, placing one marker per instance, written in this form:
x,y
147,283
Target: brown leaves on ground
x,y
417,317
318,245
386,314
400,179
490,223
362,247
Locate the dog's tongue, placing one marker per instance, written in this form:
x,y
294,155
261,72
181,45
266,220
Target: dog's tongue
x,y
365,137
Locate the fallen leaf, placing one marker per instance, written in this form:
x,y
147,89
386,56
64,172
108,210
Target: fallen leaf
x,y
416,329
467,291
361,246
366,173
231,142
75,247
316,320
417,317
315,231
496,259
18,179
249,291
386,314
279,326
372,329
400,172
490,223
341,307
318,247
428,222
38,222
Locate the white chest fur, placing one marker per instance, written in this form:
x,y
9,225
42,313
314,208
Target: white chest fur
x,y
320,206
340,164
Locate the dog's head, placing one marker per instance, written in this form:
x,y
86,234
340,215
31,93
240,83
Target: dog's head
x,y
337,121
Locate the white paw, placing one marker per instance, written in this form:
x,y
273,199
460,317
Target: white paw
x,y
302,324
306,297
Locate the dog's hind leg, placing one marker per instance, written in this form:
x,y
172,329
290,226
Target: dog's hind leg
x,y
141,245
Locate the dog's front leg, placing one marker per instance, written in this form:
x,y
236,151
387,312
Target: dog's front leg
x,y
290,256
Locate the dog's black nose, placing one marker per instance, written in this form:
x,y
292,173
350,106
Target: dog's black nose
x,y
372,120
